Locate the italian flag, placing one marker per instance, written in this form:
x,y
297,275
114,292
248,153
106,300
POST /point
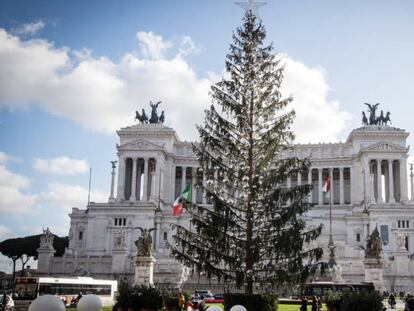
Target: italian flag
x,y
326,190
186,195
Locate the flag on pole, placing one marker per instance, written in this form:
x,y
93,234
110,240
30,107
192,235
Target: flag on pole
x,y
326,190
186,195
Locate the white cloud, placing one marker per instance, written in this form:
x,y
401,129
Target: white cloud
x,y
317,118
5,233
4,157
102,95
30,28
61,166
187,46
151,45
66,196
12,187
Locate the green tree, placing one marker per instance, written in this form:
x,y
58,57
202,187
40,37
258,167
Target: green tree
x,y
26,248
253,233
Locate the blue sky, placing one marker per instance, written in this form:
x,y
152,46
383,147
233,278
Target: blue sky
x,y
72,72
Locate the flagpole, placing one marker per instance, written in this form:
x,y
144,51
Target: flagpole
x,y
330,210
332,261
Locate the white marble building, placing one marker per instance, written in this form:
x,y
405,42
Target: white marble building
x,y
369,173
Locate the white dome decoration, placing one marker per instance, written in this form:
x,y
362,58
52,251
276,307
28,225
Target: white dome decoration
x,y
238,308
90,303
47,303
214,308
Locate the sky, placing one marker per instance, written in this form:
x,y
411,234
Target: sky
x,y
73,72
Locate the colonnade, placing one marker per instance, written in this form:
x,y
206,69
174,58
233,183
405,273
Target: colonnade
x,y
137,178
314,197
391,172
385,180
316,176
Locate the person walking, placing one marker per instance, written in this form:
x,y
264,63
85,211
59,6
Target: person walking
x,y
304,304
314,303
391,301
181,301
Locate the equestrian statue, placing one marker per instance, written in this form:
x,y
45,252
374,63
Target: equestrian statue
x,y
154,119
373,119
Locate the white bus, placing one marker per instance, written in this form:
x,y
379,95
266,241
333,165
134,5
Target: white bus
x,y
28,288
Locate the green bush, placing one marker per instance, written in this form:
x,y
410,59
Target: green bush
x,y
332,297
123,296
363,300
148,297
253,302
170,299
138,297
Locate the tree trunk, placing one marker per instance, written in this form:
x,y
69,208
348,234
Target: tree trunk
x,y
14,268
249,218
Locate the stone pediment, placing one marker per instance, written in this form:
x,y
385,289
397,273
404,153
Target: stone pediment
x,y
385,147
141,145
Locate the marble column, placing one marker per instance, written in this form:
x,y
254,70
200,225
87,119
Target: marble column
x,y
367,178
204,193
320,185
299,179
121,179
139,175
341,186
403,179
379,182
111,196
134,180
145,187
183,177
193,181
152,185
288,185
310,183
331,191
391,182
157,233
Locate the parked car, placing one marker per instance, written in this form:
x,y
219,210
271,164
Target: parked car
x,y
202,293
217,298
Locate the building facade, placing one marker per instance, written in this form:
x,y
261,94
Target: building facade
x,y
368,183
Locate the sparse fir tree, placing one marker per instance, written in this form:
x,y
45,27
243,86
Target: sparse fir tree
x,y
252,232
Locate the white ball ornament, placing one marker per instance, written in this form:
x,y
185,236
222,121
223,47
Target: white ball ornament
x,y
238,308
90,303
47,303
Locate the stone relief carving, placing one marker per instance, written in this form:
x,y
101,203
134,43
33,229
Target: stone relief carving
x,y
119,240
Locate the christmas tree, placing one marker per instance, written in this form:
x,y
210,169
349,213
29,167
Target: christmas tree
x,y
252,232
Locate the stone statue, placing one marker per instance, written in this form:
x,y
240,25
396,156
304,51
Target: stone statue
x,y
386,119
401,243
372,117
154,115
46,240
162,117
374,245
364,119
144,243
141,117
380,119
155,119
